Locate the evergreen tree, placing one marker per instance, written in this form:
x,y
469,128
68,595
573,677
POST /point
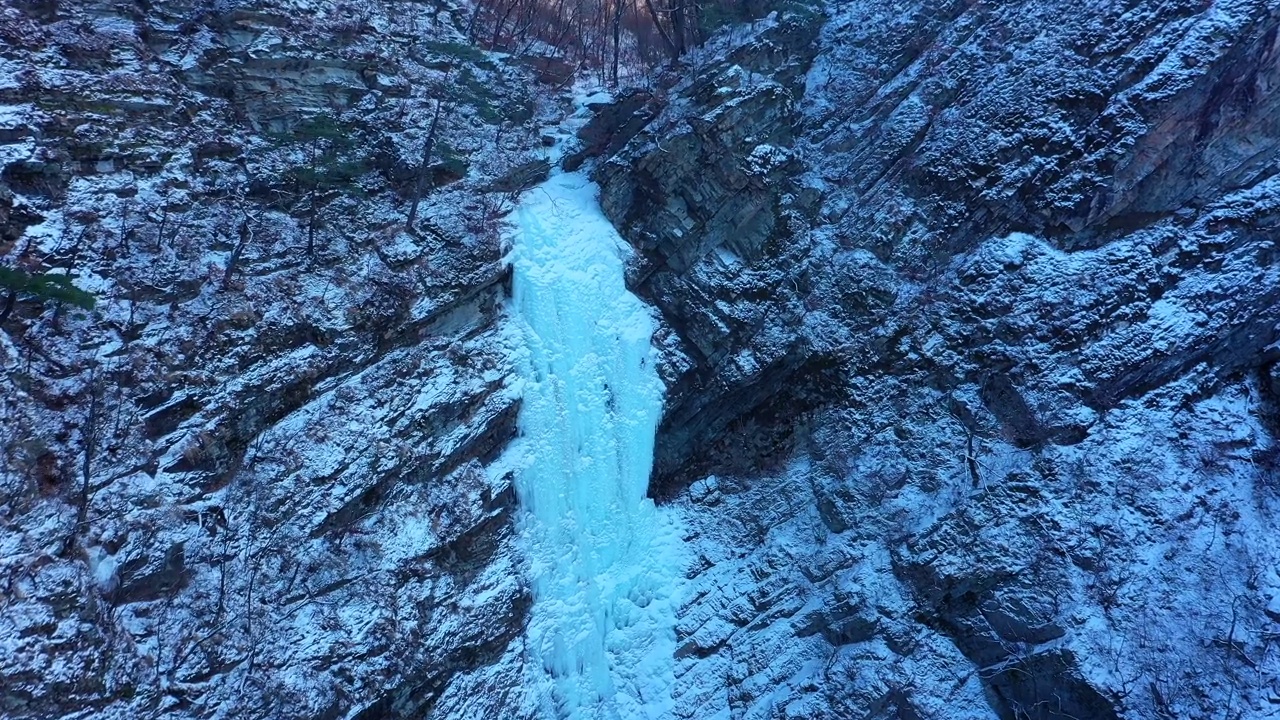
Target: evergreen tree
x,y
327,144
45,287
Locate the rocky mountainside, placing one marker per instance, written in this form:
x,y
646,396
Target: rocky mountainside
x,y
972,340
252,481
969,325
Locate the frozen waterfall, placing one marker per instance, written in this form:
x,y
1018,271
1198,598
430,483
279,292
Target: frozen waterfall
x,y
606,563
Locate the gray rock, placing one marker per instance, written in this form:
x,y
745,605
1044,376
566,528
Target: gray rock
x,y
611,127
707,192
287,469
986,332
969,322
522,177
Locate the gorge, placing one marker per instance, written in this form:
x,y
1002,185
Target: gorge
x,y
881,360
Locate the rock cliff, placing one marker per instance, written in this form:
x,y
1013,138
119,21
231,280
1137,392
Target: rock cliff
x,y
972,340
256,480
970,328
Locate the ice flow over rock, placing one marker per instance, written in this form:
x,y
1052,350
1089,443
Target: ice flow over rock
x,y
605,561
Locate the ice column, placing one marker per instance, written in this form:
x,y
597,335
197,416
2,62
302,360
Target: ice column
x,y
605,562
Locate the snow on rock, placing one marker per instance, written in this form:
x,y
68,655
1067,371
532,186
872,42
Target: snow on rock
x,y
981,422
257,479
966,314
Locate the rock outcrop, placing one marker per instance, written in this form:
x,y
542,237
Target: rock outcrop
x,y
708,193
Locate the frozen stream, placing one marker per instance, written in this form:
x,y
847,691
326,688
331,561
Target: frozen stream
x,y
606,563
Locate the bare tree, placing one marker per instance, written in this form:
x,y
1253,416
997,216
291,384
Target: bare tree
x,y
245,237
618,7
89,436
678,30
420,181
10,298
672,49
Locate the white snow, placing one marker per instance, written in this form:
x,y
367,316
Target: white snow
x,y
606,562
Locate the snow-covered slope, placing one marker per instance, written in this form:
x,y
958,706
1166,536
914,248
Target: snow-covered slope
x,y
277,419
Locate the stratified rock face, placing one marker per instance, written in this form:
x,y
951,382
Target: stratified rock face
x,y
256,480
977,325
708,194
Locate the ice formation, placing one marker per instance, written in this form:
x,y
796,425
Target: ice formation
x,y
605,561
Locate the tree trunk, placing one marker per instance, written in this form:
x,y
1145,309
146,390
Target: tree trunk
x,y
89,435
311,225
422,169
662,32
164,220
678,26
471,24
311,197
617,40
246,235
502,21
8,305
